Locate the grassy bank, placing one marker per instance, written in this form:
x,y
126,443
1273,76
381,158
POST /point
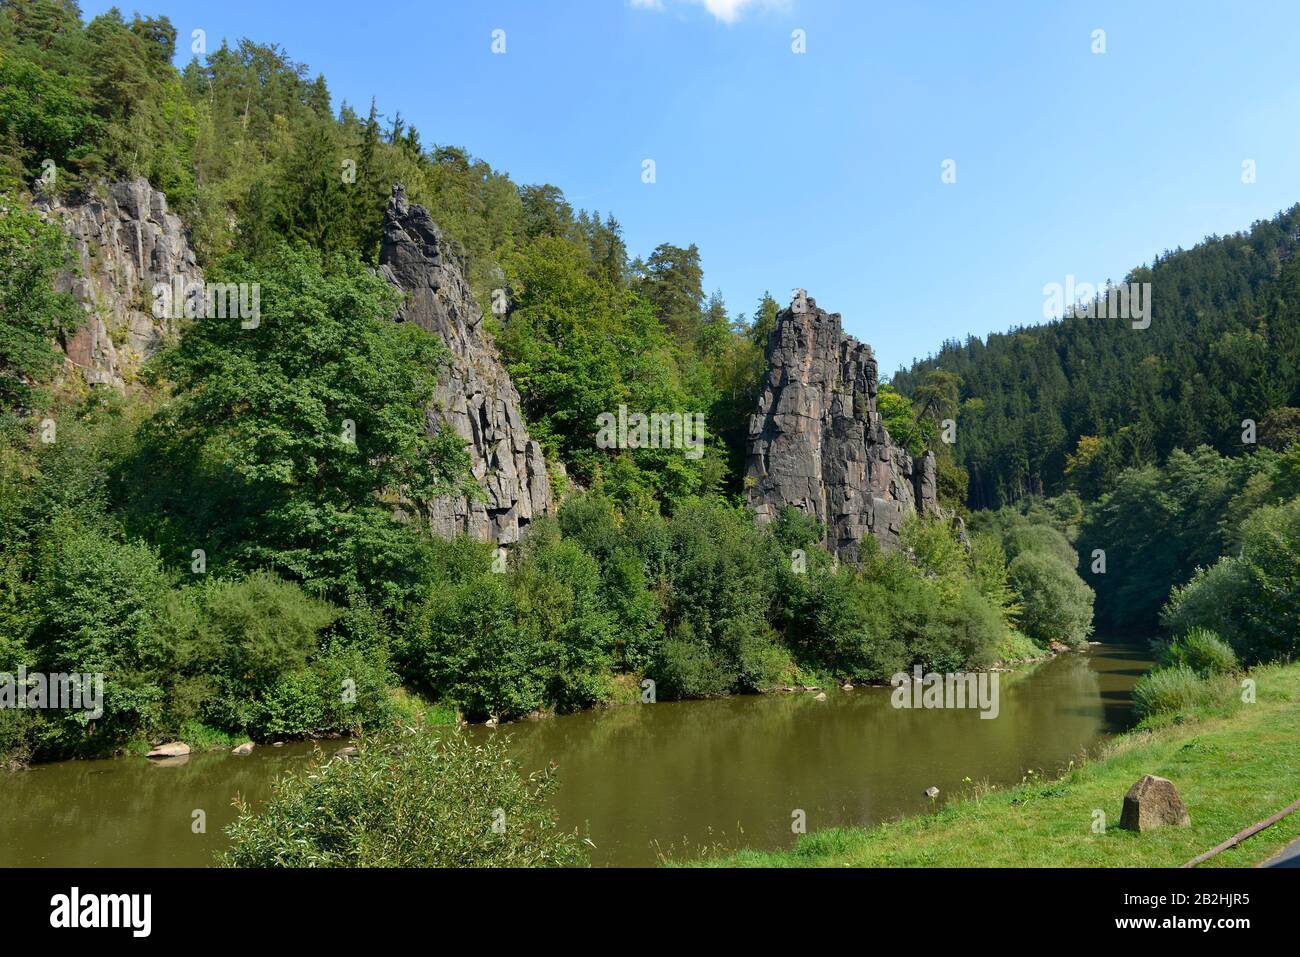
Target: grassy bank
x,y
1231,771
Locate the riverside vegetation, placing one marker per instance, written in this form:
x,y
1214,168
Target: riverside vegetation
x,y
652,568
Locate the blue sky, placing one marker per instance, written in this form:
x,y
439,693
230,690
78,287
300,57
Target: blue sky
x,y
823,169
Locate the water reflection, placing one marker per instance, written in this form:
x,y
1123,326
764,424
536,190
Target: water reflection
x,y
679,776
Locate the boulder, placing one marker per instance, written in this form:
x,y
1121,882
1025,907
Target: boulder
x,y
242,749
172,749
347,753
1151,803
820,697
817,442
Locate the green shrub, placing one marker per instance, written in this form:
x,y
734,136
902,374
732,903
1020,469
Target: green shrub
x,y
418,797
1178,690
560,610
1039,538
686,667
1212,600
1252,600
720,573
988,560
1056,604
103,603
541,634
894,611
260,657
1202,651
845,626
461,644
257,628
969,632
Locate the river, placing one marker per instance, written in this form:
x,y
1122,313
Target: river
x,y
679,778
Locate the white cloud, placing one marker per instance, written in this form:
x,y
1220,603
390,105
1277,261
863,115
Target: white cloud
x,y
725,11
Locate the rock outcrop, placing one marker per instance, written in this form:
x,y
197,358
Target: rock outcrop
x,y
818,443
475,396
127,241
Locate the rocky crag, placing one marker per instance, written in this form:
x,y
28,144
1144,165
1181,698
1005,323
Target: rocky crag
x,y
817,442
475,396
126,241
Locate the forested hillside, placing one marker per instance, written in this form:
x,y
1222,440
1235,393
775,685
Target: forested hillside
x,y
203,537
250,152
1070,404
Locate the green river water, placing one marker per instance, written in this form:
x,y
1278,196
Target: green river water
x,y
674,778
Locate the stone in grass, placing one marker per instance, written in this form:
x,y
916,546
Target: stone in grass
x,y
1151,803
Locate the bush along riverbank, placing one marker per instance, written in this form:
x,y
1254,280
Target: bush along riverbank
x,y
1071,819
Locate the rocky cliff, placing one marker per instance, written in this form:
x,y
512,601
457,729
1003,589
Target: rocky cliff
x,y
127,241
475,395
818,443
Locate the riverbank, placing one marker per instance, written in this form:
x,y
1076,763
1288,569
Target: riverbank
x,y
1230,771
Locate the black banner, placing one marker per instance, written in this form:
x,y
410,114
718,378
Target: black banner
x,y
334,907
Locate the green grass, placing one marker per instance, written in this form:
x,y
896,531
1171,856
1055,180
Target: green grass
x,y
1016,646
200,737
411,707
1230,770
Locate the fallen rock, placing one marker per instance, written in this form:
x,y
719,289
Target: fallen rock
x,y
820,697
172,749
1151,803
932,792
847,686
245,748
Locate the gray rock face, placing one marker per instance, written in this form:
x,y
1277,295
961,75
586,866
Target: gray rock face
x,y
126,241
475,396
818,443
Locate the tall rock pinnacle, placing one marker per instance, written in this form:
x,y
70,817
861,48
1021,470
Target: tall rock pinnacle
x,y
475,396
817,441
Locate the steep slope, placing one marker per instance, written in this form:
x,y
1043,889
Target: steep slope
x,y
818,443
475,396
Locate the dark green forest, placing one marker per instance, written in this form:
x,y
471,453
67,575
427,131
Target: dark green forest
x,y
1071,404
